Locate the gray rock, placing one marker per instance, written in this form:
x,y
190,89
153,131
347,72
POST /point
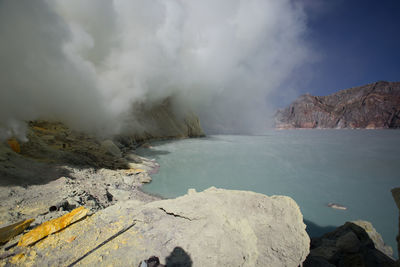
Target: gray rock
x,y
212,228
144,177
375,237
119,195
348,243
317,262
352,244
111,148
133,158
129,180
160,121
326,252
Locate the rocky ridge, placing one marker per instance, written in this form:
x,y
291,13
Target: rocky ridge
x,y
371,106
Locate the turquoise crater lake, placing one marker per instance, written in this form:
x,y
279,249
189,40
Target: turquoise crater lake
x,y
354,168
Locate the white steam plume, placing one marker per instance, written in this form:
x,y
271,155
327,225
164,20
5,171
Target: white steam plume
x,y
87,62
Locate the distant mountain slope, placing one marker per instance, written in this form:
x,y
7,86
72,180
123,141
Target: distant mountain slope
x,y
371,106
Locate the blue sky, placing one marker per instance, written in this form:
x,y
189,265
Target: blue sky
x,y
355,41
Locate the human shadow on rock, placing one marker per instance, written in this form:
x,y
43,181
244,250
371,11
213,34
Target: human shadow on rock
x,y
177,258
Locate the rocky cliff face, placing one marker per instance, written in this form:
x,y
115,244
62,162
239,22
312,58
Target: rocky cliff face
x,y
50,146
162,121
372,106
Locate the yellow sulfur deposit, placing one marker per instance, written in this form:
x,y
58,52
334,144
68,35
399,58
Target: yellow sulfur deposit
x,y
52,226
8,232
13,143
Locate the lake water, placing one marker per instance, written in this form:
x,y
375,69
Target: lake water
x,y
355,168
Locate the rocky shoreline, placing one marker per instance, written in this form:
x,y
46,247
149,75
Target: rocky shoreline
x,y
125,225
121,225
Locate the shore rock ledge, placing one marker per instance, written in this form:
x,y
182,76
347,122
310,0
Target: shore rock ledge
x,y
215,227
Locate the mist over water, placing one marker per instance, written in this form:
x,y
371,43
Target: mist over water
x,y
87,63
354,168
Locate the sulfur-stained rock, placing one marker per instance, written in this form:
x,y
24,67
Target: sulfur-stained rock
x,y
52,226
8,232
215,227
136,166
13,143
18,258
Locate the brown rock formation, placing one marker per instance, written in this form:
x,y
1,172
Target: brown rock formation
x,y
371,106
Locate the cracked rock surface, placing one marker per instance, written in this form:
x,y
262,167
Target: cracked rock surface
x,y
215,227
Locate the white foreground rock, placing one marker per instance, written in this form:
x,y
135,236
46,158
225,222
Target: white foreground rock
x,y
227,228
212,228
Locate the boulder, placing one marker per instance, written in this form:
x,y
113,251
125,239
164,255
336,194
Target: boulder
x,y
14,145
352,244
215,227
348,243
375,237
227,228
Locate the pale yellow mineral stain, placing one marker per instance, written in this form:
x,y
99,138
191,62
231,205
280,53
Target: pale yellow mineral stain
x,y
17,258
72,238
